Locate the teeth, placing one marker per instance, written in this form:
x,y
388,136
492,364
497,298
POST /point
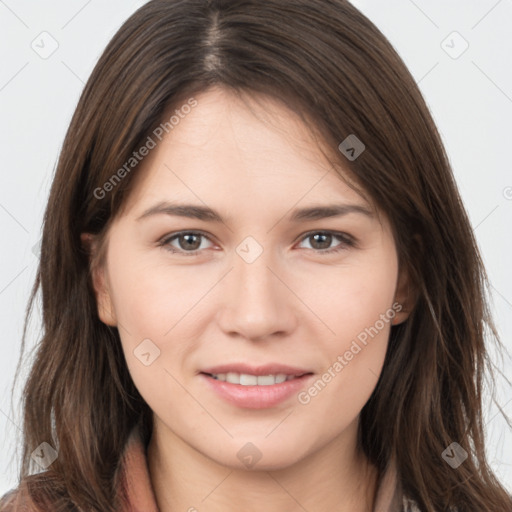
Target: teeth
x,y
265,380
245,379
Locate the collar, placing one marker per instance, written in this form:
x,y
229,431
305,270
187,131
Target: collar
x,y
135,476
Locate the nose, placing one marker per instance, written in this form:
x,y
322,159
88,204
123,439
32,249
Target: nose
x,y
257,303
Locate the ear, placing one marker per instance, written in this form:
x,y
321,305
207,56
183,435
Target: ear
x,y
104,302
405,297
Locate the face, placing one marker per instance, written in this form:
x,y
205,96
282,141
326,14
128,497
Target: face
x,y
241,251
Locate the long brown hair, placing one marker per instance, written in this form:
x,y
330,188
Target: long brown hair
x,y
329,63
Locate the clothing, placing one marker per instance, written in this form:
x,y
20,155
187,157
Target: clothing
x,y
142,498
134,472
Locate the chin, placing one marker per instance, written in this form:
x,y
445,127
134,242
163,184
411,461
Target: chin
x,y
259,456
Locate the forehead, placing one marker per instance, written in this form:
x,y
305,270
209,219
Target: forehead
x,y
240,150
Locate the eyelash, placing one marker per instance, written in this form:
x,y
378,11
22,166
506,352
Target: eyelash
x,y
346,240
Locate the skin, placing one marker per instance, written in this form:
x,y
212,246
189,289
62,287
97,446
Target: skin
x,y
293,305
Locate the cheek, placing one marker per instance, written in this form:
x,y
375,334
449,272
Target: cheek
x,y
158,310
351,299
354,362
356,304
152,298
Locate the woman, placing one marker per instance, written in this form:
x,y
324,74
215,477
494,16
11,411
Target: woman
x,y
260,288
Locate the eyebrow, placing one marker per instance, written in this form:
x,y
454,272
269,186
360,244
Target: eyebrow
x,y
207,214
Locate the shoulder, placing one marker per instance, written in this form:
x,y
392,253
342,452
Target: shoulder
x,y
6,500
12,502
17,500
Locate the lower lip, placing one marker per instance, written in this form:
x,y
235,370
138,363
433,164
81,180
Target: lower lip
x,y
256,397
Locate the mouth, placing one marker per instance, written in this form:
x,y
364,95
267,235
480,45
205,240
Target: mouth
x,y
251,391
247,379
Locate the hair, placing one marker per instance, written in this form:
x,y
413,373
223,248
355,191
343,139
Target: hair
x,y
327,62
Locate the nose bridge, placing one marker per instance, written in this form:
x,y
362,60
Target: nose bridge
x,y
256,304
254,279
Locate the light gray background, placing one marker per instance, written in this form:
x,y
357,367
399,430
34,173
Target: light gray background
x,y
470,98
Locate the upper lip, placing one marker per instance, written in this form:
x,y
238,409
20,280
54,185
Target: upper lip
x,y
266,369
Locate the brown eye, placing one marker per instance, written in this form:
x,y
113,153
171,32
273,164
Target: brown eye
x,y
189,241
322,241
186,242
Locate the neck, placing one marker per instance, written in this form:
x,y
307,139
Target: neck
x,y
335,477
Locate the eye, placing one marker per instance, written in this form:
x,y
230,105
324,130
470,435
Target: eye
x,y
320,241
190,243
186,242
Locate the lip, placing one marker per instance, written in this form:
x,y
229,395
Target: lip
x,y
266,369
256,397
